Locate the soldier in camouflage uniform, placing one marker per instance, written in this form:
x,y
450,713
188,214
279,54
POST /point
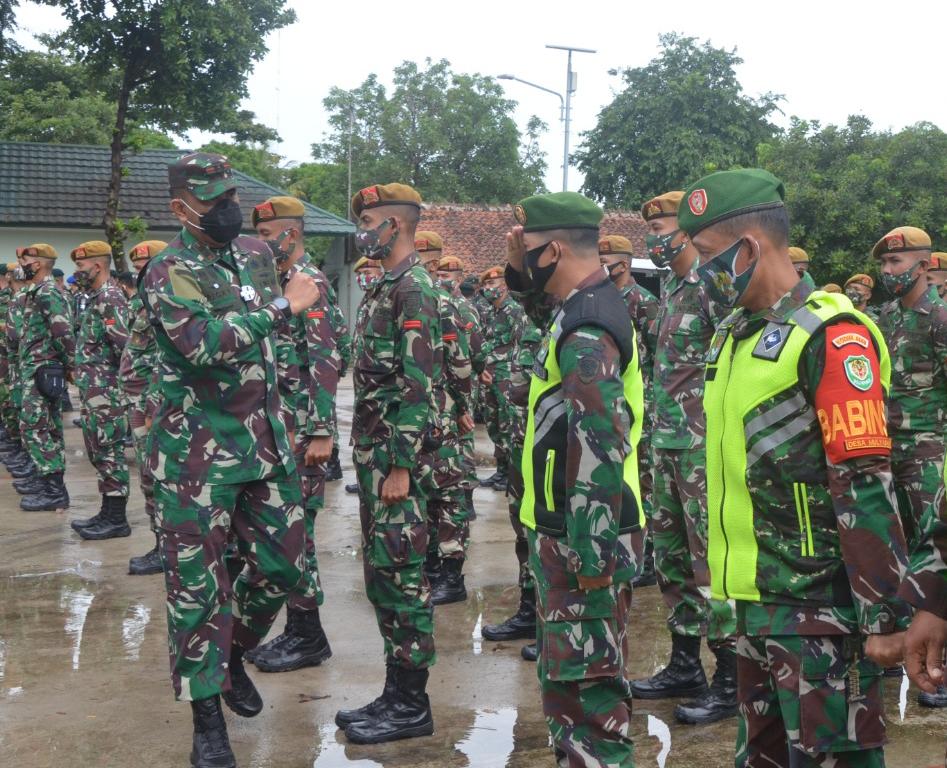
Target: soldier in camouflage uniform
x,y
9,440
15,457
137,372
441,472
800,262
615,253
220,452
802,528
312,365
858,289
396,340
44,354
103,334
581,499
497,354
685,324
937,275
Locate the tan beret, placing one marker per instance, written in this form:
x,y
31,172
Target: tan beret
x,y
428,241
832,288
147,248
662,205
938,261
365,262
614,244
451,264
860,279
37,250
491,273
384,194
902,239
91,249
14,265
280,207
798,256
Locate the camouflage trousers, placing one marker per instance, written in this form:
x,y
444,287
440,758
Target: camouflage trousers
x,y
40,431
918,474
808,702
678,526
206,613
103,429
394,546
497,416
514,492
11,409
468,464
441,476
136,421
582,646
308,595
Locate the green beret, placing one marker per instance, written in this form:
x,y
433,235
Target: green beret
x,y
559,210
726,194
3,269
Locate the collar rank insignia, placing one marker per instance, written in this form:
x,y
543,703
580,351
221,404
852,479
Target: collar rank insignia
x,y
772,341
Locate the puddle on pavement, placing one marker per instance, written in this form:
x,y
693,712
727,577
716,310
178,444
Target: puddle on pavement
x,y
660,730
76,603
477,637
332,753
84,569
133,630
489,743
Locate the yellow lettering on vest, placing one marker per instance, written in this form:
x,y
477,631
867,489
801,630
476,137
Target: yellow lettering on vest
x,y
856,418
838,422
876,414
826,427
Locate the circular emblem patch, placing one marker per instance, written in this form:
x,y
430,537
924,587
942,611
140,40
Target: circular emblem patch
x,y
858,372
697,202
247,292
519,213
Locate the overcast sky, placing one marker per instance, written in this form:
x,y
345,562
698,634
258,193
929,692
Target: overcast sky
x,y
829,59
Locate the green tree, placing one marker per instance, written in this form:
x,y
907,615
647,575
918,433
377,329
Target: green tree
x,y
683,115
450,135
847,186
179,65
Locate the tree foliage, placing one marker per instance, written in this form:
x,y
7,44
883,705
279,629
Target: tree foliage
x,y
683,115
846,186
450,135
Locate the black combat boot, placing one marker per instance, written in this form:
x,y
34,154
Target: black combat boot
x,y
488,482
471,509
647,577
432,566
404,715
720,700
501,479
351,488
211,746
345,717
113,524
450,587
30,484
243,697
530,652
53,496
302,644
148,563
520,626
85,522
936,700
334,466
683,676
23,468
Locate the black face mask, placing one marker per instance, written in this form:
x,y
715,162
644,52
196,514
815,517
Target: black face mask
x,y
538,275
614,271
223,222
83,279
29,271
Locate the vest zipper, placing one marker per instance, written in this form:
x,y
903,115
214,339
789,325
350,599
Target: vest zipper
x,y
723,473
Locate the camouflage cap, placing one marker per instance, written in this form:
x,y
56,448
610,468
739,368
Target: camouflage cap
x,y
860,279
204,174
832,288
557,210
900,240
364,262
279,207
726,194
378,195
90,250
37,250
428,241
797,255
451,264
662,205
614,244
147,249
490,274
938,261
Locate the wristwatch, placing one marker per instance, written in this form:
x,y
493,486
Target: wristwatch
x,y
282,304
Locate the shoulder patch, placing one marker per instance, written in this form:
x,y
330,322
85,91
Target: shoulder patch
x,y
411,302
858,372
183,284
850,337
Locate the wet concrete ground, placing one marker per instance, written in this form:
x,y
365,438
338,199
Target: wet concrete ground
x,y
84,668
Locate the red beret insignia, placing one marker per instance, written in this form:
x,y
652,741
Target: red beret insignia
x,y
79,253
369,195
264,211
604,246
697,202
652,209
894,241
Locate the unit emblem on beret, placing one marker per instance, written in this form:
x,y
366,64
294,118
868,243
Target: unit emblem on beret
x,y
895,241
265,211
519,213
697,202
369,195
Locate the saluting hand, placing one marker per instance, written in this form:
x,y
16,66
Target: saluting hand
x,y
515,248
301,292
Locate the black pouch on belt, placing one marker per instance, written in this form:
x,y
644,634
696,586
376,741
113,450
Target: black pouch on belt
x,y
51,380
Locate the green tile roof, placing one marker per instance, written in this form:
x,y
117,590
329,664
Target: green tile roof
x,y
65,185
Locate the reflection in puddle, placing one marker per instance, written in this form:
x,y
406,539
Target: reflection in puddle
x,y
133,630
903,695
79,569
3,657
76,602
14,692
332,754
489,743
658,728
477,637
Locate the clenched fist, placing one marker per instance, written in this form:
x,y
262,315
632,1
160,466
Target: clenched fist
x,y
301,292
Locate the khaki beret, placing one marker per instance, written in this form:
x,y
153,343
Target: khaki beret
x,y
798,256
91,249
902,239
149,248
938,261
40,250
491,273
451,264
662,205
832,288
14,265
860,279
614,244
378,195
280,207
365,262
428,241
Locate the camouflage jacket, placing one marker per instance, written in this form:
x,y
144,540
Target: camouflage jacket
x,y
14,328
452,390
684,327
6,296
643,310
499,335
917,341
41,323
138,368
925,586
396,339
221,420
103,334
526,345
473,327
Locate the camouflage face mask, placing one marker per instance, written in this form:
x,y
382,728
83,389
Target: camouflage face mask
x,y
278,246
447,283
660,250
899,285
368,241
365,281
726,287
492,294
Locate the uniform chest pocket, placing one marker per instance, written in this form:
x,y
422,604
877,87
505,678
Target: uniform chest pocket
x,y
220,294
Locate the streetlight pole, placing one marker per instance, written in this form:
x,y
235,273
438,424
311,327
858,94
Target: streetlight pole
x,y
571,81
